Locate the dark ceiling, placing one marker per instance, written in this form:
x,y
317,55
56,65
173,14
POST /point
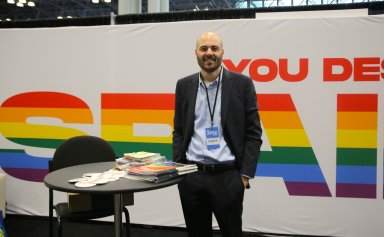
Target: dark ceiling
x,y
51,9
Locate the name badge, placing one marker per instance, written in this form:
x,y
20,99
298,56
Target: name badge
x,y
213,140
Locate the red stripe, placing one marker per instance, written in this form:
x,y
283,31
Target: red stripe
x,y
357,103
44,99
138,101
275,102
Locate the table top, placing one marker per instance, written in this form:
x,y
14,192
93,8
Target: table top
x,y
58,180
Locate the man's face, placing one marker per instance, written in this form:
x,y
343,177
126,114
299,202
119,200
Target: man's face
x,y
209,52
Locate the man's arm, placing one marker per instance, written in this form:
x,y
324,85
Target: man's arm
x,y
177,139
253,132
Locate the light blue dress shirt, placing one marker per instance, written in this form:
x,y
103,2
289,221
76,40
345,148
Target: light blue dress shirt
x,y
198,150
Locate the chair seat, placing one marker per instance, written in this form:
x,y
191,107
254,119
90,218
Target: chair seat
x,y
80,150
63,211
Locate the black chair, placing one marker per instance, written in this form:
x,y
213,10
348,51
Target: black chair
x,y
76,151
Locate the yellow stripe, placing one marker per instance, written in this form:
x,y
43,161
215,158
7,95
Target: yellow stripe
x,y
357,120
282,120
25,130
288,137
68,115
356,139
125,134
130,116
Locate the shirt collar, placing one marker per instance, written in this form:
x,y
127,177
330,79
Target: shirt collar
x,y
201,81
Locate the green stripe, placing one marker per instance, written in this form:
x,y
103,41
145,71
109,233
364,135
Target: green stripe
x,y
356,156
12,150
119,147
35,142
288,155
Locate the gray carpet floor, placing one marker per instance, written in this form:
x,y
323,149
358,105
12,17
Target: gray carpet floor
x,y
34,226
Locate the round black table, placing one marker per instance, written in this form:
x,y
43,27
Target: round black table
x,y
58,180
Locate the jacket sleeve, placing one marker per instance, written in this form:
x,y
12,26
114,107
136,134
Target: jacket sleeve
x,y
178,134
253,132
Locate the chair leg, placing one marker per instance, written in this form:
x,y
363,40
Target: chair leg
x,y
127,222
60,227
50,226
50,213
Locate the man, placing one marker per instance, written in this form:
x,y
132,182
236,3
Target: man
x,y
217,127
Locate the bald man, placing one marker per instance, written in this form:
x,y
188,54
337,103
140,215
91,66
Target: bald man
x,y
217,127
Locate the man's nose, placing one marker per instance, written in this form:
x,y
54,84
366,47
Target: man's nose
x,y
209,52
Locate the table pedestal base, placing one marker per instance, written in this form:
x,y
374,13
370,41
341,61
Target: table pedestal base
x,y
118,215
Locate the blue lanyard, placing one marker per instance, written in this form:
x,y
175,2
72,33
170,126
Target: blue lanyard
x,y
212,111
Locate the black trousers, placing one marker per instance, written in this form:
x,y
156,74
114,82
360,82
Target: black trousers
x,y
219,193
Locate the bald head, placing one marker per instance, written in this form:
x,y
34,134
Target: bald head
x,y
211,37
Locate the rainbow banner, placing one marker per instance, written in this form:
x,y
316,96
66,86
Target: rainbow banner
x,y
292,156
321,103
356,145
15,113
120,113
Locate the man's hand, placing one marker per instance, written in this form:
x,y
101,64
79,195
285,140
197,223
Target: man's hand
x,y
245,182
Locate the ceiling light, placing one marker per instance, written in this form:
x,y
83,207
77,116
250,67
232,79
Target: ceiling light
x,y
107,0
59,17
23,1
8,19
11,1
19,4
31,4
95,1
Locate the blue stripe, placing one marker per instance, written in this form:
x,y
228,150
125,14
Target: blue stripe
x,y
352,174
22,160
292,172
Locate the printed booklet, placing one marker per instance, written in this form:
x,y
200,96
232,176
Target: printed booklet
x,y
161,171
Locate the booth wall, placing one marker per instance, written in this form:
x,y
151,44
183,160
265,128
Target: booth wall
x,y
320,90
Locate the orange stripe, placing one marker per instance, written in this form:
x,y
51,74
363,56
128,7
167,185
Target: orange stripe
x,y
282,120
357,120
129,116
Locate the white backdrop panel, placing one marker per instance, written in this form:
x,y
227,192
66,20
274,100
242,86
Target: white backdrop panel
x,y
149,58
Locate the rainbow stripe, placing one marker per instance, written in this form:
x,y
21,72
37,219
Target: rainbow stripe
x,y
356,145
292,157
14,113
119,112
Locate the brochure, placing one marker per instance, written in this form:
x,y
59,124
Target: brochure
x,y
161,171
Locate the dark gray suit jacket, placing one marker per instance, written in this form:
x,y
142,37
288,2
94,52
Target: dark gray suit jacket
x,y
239,117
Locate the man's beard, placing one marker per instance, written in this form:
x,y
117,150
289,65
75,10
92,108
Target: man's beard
x,y
216,61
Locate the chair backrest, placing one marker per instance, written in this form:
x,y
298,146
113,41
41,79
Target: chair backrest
x,y
81,150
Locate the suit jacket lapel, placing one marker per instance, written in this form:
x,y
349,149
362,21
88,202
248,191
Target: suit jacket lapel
x,y
226,90
192,94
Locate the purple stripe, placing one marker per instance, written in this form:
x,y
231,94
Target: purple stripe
x,y
308,189
34,175
356,190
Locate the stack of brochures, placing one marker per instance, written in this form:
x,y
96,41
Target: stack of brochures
x,y
161,171
140,158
